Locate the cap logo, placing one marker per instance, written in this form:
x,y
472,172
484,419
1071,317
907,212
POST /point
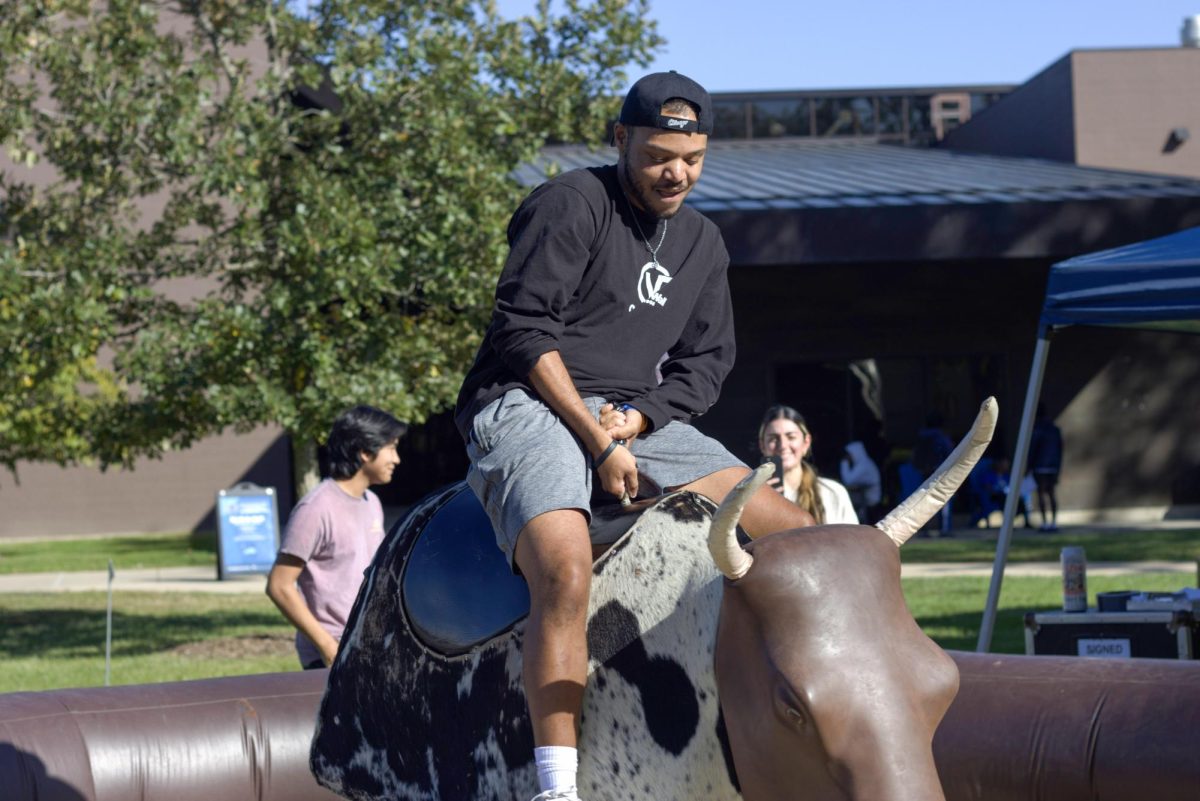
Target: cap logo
x,y
677,123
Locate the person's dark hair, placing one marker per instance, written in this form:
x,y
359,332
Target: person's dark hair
x,y
676,106
363,429
807,497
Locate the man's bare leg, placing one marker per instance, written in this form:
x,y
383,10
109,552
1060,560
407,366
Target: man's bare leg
x,y
767,512
555,556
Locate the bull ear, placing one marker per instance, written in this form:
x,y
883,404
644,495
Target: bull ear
x,y
731,559
907,518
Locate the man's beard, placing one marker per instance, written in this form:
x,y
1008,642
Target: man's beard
x,y
642,198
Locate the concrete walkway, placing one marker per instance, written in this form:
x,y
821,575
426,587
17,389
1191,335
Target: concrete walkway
x,y
156,579
943,569
204,579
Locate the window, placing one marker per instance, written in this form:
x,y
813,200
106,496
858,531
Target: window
x,y
845,116
920,127
729,119
780,118
891,116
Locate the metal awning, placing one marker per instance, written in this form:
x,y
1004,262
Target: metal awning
x,y
803,201
808,173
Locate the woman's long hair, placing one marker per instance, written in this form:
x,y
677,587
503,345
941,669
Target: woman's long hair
x,y
807,497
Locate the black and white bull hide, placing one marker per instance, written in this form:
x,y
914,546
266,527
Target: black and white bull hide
x,y
402,721
413,713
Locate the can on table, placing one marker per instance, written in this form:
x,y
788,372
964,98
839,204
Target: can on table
x,y
1074,574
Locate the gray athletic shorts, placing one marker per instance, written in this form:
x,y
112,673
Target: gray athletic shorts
x,y
526,462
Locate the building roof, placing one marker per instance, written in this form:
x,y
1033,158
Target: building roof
x,y
864,91
750,175
805,201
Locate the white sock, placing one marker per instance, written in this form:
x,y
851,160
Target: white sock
x,y
556,766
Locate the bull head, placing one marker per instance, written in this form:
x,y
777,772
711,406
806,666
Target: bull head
x,y
829,688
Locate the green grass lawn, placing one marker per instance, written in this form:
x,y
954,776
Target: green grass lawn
x,y
1176,545
156,550
54,640
172,550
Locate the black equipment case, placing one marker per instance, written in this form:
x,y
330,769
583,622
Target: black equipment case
x,y
1168,634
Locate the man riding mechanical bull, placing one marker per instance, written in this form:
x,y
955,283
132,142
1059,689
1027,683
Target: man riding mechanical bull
x,y
612,329
607,272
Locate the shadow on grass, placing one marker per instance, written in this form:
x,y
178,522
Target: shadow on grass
x,y
1106,546
68,633
960,631
156,550
144,546
199,541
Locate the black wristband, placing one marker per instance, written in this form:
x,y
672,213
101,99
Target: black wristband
x,y
612,446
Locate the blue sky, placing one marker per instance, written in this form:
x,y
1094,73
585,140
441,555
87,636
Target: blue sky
x,y
801,44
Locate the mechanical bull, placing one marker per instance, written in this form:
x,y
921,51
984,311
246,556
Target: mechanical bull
x,y
789,668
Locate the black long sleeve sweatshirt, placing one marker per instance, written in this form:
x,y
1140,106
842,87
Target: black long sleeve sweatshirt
x,y
580,280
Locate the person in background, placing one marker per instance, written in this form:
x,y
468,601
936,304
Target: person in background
x,y
1045,462
333,533
932,447
784,433
995,483
861,477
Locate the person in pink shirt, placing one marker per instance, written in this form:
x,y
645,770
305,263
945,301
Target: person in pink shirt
x,y
333,533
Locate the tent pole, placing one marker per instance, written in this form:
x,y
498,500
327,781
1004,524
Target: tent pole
x,y
1036,372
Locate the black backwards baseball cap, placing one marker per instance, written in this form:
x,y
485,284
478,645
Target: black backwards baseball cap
x,y
643,105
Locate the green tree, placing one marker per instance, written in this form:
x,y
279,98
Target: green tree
x,y
250,256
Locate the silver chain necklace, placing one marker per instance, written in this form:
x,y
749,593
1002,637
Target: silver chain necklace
x,y
653,251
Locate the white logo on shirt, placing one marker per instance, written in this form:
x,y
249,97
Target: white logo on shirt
x,y
650,283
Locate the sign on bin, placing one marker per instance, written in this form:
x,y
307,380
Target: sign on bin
x,y
1105,648
247,530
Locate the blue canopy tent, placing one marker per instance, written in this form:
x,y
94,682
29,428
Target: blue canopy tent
x,y
1151,284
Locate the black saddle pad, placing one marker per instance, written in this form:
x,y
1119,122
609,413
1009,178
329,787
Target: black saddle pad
x,y
457,588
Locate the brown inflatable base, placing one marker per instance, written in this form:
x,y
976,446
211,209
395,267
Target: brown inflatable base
x,y
244,738
1021,729
1071,729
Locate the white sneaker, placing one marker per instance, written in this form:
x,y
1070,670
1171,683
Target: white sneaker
x,y
557,795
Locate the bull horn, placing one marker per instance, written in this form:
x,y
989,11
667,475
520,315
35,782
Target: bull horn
x,y
916,510
732,560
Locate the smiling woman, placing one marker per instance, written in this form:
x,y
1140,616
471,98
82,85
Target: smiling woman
x,y
784,435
